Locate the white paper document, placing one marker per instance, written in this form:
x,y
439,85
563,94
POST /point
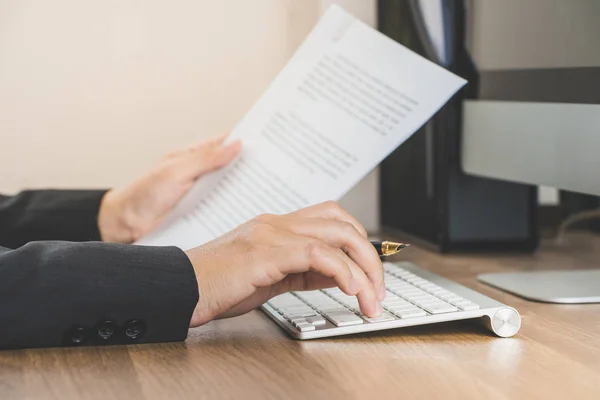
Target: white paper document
x,y
346,99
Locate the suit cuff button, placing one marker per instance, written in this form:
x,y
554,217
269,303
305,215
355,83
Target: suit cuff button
x,y
106,330
134,329
77,335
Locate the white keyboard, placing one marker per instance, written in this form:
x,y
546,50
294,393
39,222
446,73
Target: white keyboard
x,y
414,297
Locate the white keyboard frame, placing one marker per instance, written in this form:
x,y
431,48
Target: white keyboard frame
x,y
493,312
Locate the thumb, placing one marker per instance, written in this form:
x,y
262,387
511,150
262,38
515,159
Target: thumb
x,y
207,161
225,154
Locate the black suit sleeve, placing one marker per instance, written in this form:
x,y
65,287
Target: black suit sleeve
x,y
64,294
49,215
59,293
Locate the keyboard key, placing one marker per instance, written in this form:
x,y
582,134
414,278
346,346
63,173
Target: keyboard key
x,y
466,305
439,292
323,302
404,314
439,308
399,284
305,327
343,318
301,306
397,304
398,311
352,305
428,286
451,297
383,318
406,292
400,272
392,280
348,300
304,314
311,295
421,298
316,320
426,304
285,300
354,309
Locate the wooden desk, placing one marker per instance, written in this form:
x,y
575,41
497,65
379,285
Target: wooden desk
x,y
556,355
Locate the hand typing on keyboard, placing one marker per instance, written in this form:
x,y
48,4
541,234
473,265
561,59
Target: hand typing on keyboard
x,y
314,248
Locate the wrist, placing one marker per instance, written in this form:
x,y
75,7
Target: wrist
x,y
114,221
203,312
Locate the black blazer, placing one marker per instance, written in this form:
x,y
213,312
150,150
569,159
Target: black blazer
x,y
55,292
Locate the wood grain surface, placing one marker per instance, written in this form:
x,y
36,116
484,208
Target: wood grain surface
x,y
556,354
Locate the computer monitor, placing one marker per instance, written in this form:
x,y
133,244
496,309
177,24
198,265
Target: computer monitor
x,y
536,116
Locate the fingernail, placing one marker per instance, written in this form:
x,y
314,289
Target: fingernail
x,y
379,309
354,286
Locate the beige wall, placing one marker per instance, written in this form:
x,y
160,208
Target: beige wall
x,y
92,92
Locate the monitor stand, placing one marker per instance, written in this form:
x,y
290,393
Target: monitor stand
x,y
566,287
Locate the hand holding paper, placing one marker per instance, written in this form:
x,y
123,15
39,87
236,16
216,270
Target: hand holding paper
x,y
128,213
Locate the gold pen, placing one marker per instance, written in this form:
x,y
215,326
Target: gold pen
x,y
388,248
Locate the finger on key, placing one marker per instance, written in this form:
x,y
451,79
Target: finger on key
x,y
367,295
342,235
315,255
